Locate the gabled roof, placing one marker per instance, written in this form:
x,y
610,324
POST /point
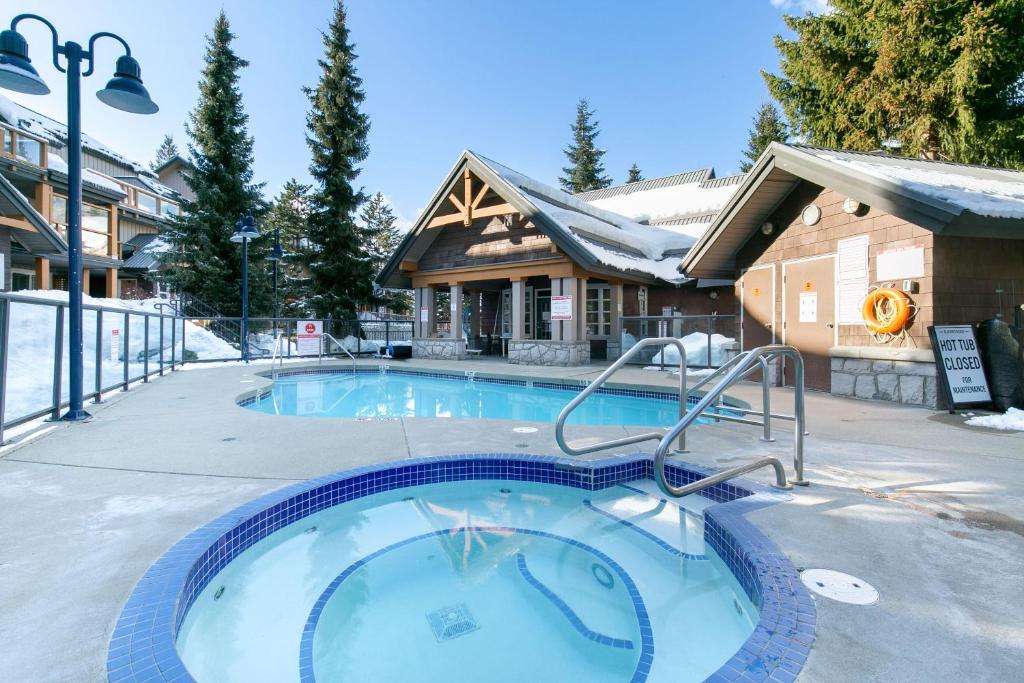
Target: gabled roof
x,y
176,159
44,239
943,197
147,252
598,240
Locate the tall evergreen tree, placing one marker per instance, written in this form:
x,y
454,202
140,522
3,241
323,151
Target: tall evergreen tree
x,y
585,171
943,79
382,236
204,262
634,174
167,150
290,215
769,127
341,269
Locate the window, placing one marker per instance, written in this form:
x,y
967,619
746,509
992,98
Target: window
x,y
22,279
30,150
528,312
95,225
599,311
147,202
168,209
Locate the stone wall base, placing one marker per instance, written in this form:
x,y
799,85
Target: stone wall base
x,y
902,381
440,349
543,352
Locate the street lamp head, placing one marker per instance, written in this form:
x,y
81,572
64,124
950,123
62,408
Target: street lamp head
x,y
245,229
125,90
16,70
277,253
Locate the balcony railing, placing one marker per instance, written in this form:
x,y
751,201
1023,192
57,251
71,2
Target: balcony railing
x,y
146,201
17,144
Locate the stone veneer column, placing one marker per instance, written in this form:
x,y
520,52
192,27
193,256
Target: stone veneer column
x,y
456,312
518,308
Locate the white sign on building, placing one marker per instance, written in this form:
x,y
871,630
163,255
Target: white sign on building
x,y
308,333
561,307
899,264
808,307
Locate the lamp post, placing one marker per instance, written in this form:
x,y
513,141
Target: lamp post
x,y
245,230
276,254
125,92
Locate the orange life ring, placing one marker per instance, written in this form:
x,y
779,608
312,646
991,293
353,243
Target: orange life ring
x,y
896,305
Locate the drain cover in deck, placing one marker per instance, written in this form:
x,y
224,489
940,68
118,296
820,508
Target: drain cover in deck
x,y
839,586
451,622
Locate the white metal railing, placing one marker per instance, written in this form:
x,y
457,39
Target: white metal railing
x,y
320,358
710,405
276,356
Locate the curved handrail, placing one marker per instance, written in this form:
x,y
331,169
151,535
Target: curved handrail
x,y
274,355
739,369
320,358
602,378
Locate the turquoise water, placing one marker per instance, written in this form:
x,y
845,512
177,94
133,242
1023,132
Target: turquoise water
x,y
396,395
471,555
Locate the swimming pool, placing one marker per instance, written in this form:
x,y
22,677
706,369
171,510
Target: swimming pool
x,y
470,568
413,394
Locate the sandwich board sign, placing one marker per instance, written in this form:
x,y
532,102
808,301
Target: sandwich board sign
x,y
960,370
308,333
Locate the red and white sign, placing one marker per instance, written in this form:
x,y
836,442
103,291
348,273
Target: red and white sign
x,y
307,341
561,307
115,345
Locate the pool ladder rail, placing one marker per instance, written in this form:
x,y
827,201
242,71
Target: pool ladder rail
x,y
320,358
709,405
277,356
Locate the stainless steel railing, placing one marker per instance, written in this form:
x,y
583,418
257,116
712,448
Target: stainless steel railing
x,y
276,356
597,383
320,358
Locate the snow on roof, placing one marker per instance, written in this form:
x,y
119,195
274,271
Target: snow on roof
x,y
153,186
57,133
670,201
985,191
614,240
99,180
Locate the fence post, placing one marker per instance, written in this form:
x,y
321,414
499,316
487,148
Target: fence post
x,y
183,341
174,343
709,341
145,349
5,328
161,363
99,356
58,362
127,348
387,333
287,335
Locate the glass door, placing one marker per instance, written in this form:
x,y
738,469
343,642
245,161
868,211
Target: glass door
x,y
543,307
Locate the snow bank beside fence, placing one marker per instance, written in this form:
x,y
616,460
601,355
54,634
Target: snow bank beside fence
x,y
696,345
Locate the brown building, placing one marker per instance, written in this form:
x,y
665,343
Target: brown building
x,y
811,231
547,276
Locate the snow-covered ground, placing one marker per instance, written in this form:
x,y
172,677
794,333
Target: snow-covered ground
x,y
1012,419
696,345
29,385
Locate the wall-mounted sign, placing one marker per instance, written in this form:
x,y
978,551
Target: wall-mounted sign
x,y
307,342
115,345
561,307
959,364
808,307
424,315
896,264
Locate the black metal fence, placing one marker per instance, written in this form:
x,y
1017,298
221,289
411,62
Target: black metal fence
x,y
710,340
124,345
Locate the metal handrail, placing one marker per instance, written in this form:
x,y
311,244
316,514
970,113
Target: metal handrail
x,y
750,360
597,383
274,356
337,343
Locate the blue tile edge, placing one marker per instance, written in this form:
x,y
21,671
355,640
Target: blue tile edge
x,y
142,646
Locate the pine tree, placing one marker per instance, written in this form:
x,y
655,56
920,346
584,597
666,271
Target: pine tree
x,y
342,271
769,127
634,174
382,236
290,214
203,261
942,79
585,171
166,151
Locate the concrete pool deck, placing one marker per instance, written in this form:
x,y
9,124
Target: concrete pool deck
x,y
928,511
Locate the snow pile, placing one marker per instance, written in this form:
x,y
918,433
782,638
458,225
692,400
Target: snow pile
x,y
696,345
30,360
999,194
1012,419
668,202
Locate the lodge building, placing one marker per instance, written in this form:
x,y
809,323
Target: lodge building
x,y
124,204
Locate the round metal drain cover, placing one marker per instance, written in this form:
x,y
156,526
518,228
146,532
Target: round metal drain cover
x,y
839,586
524,430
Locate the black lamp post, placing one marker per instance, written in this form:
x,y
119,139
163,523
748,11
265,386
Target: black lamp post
x,y
245,230
125,92
276,254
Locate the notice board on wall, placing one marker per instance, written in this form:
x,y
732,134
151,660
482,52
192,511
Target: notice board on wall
x,y
958,361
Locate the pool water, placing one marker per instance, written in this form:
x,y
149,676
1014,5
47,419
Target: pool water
x,y
485,580
399,395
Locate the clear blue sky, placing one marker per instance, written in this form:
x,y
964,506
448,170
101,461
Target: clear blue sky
x,y
674,82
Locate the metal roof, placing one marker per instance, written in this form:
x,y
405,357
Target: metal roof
x,y
696,176
44,238
140,258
